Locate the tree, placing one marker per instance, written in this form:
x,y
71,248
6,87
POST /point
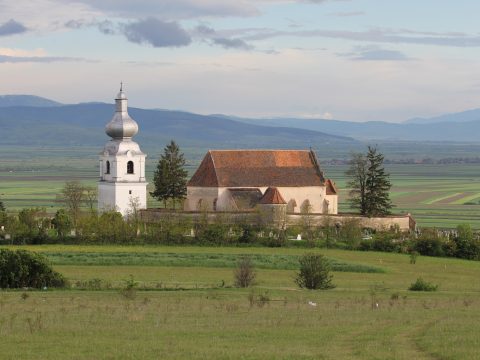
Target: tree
x,y
357,173
73,194
170,177
377,185
62,223
314,272
2,206
369,183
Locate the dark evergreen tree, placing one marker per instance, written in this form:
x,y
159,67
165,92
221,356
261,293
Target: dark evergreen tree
x,y
377,185
357,173
2,207
369,184
170,177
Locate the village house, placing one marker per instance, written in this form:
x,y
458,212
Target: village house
x,y
237,180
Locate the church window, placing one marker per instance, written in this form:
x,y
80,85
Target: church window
x,y
215,204
130,167
108,168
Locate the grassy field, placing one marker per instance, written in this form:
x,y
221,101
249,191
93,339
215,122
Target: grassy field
x,y
194,312
436,195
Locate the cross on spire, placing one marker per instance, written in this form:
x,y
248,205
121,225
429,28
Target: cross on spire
x,y
121,85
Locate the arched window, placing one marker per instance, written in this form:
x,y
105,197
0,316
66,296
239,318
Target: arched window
x,y
130,167
215,204
108,168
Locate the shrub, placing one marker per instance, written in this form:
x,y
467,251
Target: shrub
x,y
467,247
422,285
429,244
244,273
19,269
314,272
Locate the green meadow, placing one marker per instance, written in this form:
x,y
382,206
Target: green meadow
x,y
185,306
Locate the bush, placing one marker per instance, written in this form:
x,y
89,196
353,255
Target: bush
x,y
314,272
467,247
429,246
244,273
422,285
19,269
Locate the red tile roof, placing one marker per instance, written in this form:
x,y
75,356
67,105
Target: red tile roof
x,y
258,168
272,197
331,187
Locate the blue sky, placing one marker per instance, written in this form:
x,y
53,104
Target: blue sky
x,y
343,59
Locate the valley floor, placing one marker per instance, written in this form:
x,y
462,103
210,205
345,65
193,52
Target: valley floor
x,y
186,307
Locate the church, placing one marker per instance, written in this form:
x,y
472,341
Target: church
x,y
239,180
277,182
226,180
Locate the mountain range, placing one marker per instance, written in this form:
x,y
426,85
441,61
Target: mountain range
x,y
35,121
83,125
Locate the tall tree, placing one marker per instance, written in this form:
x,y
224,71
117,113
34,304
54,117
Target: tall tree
x,y
170,177
357,173
2,206
369,183
377,185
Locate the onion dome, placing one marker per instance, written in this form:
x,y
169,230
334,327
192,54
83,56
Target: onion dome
x,y
122,126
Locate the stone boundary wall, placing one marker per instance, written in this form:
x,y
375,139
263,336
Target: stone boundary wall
x,y
402,222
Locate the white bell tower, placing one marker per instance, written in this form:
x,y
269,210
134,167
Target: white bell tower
x,y
122,164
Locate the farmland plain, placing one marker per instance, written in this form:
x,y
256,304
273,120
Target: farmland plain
x,y
193,311
436,195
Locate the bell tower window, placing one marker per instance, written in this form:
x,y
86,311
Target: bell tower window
x,y
130,167
108,167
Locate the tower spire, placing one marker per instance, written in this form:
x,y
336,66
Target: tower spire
x,y
121,86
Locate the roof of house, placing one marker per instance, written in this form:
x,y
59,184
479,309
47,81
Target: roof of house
x,y
258,168
331,187
245,199
272,197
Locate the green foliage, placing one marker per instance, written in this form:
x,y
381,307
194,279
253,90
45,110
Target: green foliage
x,y
72,195
422,285
369,183
350,232
429,243
357,183
314,272
244,273
377,186
2,206
62,223
19,269
467,246
170,178
129,290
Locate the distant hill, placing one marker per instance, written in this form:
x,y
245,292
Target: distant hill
x,y
26,100
464,116
466,131
83,125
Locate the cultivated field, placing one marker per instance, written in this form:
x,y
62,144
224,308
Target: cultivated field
x,y
186,308
436,195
